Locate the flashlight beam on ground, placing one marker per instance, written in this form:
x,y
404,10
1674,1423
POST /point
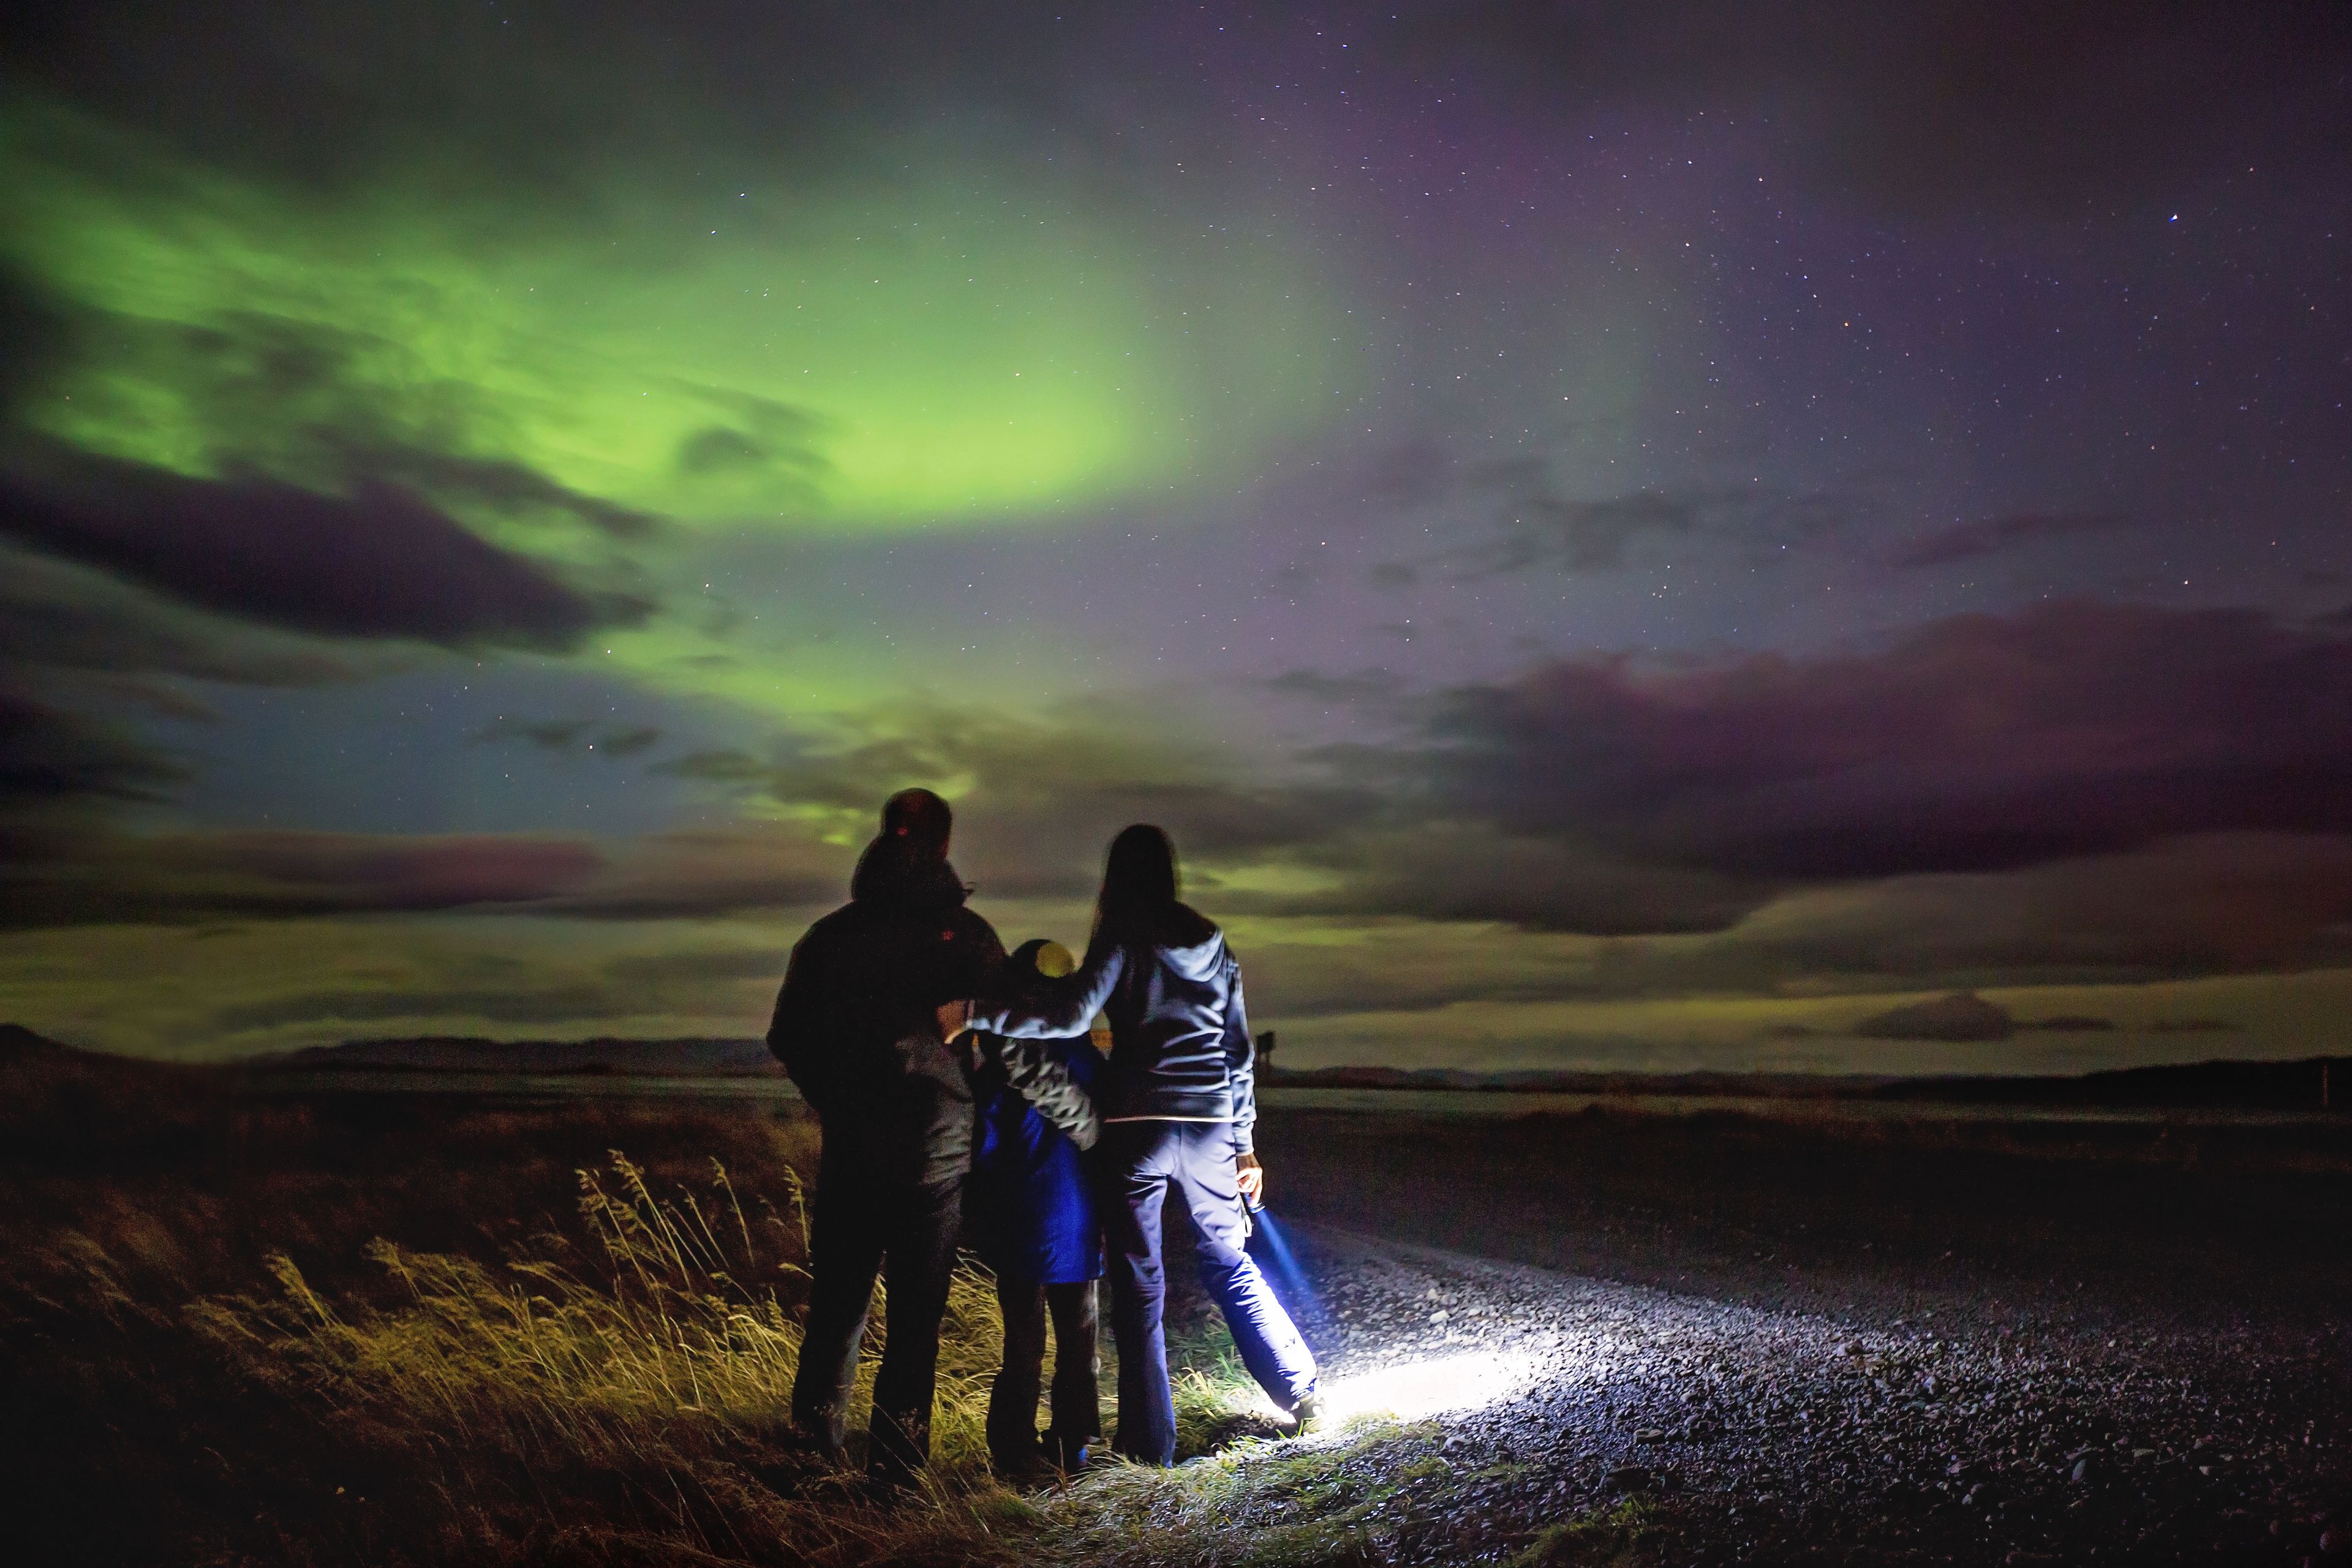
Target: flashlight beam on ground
x,y
1412,1390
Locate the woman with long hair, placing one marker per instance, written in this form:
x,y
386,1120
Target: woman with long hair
x,y
1179,1103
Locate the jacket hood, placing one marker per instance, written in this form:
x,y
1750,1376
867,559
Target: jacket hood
x,y
903,871
1191,945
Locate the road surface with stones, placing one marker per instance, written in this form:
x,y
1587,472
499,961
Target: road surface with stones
x,y
1771,1398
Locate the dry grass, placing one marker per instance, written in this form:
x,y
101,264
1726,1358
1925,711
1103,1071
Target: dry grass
x,y
668,1328
652,1360
446,1332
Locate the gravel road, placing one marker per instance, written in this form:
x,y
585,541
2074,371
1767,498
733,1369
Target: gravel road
x,y
1830,1418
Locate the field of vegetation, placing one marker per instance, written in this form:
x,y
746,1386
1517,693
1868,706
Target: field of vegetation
x,y
438,1329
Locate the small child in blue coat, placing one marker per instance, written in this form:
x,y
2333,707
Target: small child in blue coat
x,y
1029,1212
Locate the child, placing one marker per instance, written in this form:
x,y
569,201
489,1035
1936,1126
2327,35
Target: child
x,y
1030,1215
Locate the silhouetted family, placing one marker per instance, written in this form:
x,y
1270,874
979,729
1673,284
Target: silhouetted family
x,y
961,1095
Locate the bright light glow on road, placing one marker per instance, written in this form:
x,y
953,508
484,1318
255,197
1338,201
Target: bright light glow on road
x,y
1410,1389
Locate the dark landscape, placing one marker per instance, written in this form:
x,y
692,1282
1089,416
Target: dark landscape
x,y
2304,1085
1608,1337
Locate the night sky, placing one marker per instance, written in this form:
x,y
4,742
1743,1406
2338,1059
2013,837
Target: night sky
x,y
1644,536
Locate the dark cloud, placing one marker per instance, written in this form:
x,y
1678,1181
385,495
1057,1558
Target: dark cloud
x,y
501,486
777,444
1536,526
1586,535
717,449
541,102
35,337
547,735
1365,686
1404,475
100,875
720,765
628,741
379,562
1991,535
1963,1015
61,874
583,735
748,867
2213,903
1969,743
1451,870
49,757
1038,800
57,617
525,1002
2158,791
1952,105
700,966
2220,902
402,873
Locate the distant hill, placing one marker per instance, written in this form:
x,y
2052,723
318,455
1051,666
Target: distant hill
x,y
1811,1086
18,1043
2233,1085
692,1057
2219,1085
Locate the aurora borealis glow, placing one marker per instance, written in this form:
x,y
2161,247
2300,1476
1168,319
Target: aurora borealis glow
x,y
1609,541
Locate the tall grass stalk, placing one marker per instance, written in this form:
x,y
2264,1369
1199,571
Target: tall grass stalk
x,y
658,1351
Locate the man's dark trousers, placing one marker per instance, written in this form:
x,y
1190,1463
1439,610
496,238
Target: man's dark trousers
x,y
872,1218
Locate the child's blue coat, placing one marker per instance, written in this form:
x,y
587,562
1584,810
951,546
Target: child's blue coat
x,y
1029,1210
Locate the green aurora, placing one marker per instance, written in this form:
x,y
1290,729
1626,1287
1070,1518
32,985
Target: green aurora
x,y
953,349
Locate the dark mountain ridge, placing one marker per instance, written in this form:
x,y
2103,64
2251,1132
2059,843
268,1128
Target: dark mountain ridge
x,y
2309,1083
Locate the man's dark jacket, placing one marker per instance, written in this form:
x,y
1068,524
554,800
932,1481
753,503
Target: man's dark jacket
x,y
855,1027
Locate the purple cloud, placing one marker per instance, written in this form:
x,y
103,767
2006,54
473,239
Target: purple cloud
x,y
1991,535
1975,743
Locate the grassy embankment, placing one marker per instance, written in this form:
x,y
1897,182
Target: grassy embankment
x,y
394,1330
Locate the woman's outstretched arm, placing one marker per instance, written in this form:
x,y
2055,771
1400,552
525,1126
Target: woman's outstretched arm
x,y
1039,1008
1042,1078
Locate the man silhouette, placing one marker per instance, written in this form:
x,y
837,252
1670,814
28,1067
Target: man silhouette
x,y
855,1026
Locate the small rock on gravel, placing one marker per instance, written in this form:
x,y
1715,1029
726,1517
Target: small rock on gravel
x,y
1632,1478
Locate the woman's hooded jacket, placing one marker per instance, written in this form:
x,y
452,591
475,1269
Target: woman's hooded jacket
x,y
1181,1047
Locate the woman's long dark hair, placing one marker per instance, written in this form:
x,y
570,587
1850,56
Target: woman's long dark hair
x,y
1138,905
